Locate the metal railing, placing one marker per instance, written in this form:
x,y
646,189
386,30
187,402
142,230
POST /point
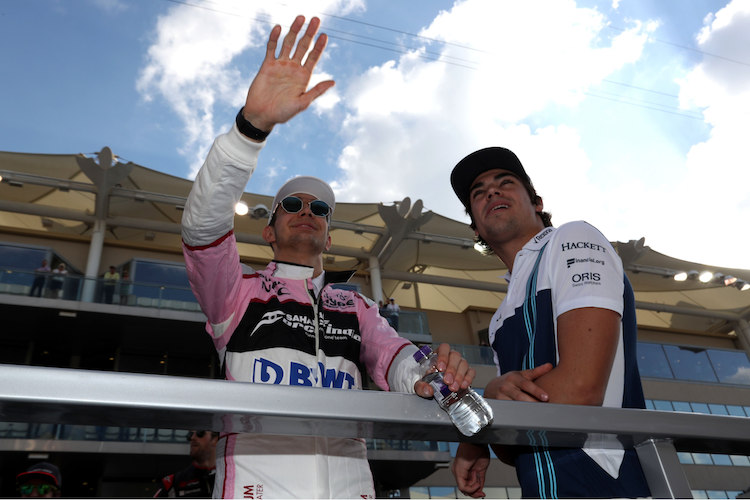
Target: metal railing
x,y
83,397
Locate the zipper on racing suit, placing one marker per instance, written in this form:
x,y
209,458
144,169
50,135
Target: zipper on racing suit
x,y
310,289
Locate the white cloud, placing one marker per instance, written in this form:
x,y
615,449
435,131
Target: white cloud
x,y
424,116
192,63
717,169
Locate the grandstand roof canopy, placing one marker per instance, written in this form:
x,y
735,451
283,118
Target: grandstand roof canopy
x,y
432,248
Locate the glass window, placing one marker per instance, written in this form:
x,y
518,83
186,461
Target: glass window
x,y
26,258
419,492
721,459
685,458
736,411
663,405
718,409
161,281
734,494
740,460
702,459
142,363
699,494
652,362
716,493
732,367
442,492
690,363
650,405
14,352
700,408
747,411
682,406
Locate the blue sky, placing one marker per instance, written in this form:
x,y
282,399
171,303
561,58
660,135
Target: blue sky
x,y
620,110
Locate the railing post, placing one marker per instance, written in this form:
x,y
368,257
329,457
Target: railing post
x,y
663,470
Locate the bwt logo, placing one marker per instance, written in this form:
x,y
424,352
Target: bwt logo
x,y
267,372
582,244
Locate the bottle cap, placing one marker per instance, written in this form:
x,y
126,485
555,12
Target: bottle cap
x,y
422,353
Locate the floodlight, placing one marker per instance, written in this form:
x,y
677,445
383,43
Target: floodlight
x,y
259,211
241,208
729,280
742,285
692,275
478,247
681,276
706,276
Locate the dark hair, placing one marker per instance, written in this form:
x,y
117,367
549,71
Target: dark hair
x,y
535,198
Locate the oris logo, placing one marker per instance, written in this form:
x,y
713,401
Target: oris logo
x,y
586,279
583,244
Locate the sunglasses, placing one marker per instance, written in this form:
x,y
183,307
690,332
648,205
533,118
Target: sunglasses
x,y
292,205
42,489
200,434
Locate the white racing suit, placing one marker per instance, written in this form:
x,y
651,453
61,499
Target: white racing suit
x,y
272,327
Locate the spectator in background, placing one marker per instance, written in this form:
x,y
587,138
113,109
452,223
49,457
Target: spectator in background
x,y
393,309
125,287
39,279
197,481
58,278
111,278
42,480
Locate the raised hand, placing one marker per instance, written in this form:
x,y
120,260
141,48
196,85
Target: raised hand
x,y
279,90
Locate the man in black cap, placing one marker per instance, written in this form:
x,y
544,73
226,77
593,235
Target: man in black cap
x,y
42,480
565,332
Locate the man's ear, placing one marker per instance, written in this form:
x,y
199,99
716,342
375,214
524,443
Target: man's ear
x,y
539,204
269,234
328,243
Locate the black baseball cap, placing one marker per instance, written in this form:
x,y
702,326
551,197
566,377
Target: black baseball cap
x,y
467,170
44,470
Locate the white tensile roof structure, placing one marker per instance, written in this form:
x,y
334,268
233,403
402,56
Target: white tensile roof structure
x,y
406,246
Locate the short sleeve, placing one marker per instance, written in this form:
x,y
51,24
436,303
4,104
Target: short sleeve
x,y
585,270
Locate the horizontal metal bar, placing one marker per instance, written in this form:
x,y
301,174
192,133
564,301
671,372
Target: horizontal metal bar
x,y
444,280
86,397
38,180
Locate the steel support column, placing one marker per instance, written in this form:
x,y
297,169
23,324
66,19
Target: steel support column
x,y
662,469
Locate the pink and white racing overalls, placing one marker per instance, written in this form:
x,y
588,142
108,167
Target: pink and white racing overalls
x,y
272,327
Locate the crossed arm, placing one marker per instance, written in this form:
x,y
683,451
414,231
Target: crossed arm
x,y
587,345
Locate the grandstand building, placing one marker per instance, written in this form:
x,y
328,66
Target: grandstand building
x,y
93,213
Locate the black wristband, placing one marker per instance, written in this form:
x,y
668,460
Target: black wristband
x,y
247,128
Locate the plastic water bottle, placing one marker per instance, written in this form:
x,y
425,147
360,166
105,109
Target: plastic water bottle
x,y
468,410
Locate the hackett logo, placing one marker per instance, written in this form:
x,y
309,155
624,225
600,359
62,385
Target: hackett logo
x,y
540,237
583,244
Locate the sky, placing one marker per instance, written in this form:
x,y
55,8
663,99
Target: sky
x,y
633,115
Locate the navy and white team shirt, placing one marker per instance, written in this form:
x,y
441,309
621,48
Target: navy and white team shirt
x,y
575,267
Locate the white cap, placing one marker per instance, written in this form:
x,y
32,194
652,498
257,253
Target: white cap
x,y
304,184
